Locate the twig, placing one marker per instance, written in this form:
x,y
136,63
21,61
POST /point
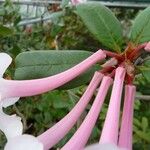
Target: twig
x,y
143,97
22,117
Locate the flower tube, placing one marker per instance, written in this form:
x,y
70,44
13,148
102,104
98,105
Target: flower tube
x,y
12,88
60,129
110,129
125,138
80,138
103,147
75,2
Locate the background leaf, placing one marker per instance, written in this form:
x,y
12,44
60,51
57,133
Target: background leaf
x,y
39,64
140,31
102,24
5,31
143,79
145,69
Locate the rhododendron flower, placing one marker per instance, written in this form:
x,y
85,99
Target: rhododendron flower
x,y
103,147
82,135
110,137
60,129
111,125
10,125
23,142
12,88
75,2
125,137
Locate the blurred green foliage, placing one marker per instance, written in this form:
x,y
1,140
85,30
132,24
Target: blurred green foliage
x,y
41,112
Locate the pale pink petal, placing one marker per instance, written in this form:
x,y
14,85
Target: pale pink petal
x,y
23,142
147,47
80,138
59,130
33,87
125,138
8,102
11,126
103,147
110,129
5,61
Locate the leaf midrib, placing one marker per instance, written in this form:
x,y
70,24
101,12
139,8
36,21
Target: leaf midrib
x,y
41,65
105,24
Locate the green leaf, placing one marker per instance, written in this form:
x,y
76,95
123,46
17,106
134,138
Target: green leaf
x,y
145,69
147,62
145,72
56,17
144,136
140,31
5,31
144,124
144,79
64,3
102,23
39,64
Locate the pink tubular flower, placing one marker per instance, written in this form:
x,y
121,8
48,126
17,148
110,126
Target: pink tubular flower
x,y
75,2
112,62
125,138
110,129
103,147
10,125
11,88
59,130
147,47
80,138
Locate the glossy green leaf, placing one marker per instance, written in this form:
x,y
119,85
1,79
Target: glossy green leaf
x,y
5,31
102,23
140,31
39,64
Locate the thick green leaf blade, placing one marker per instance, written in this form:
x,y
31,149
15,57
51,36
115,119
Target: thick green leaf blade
x,y
140,31
5,31
39,64
102,23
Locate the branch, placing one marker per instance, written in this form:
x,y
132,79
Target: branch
x,y
143,97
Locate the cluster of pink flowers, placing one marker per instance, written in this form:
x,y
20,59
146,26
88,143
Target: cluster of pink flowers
x,y
111,137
